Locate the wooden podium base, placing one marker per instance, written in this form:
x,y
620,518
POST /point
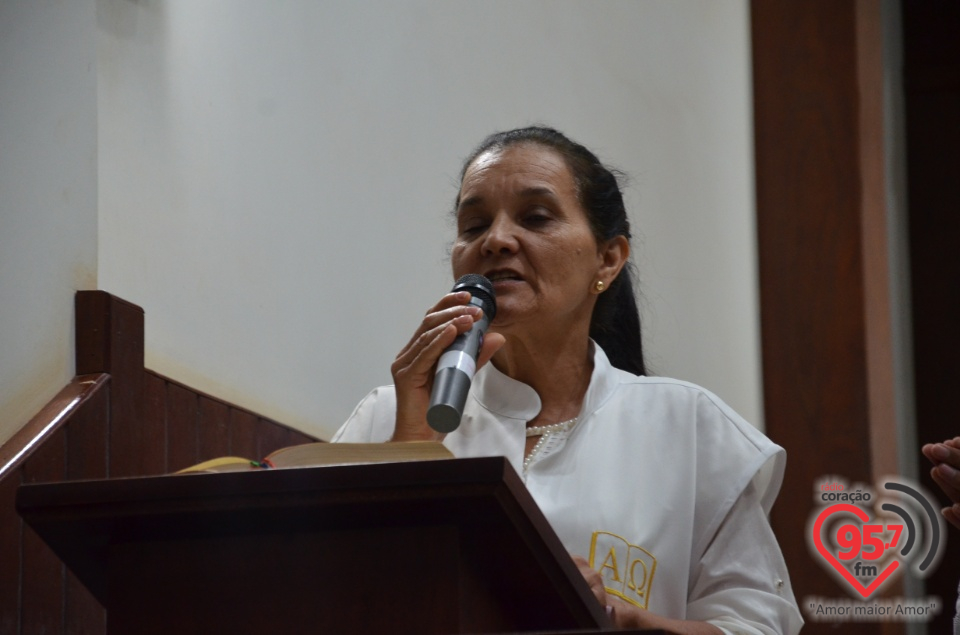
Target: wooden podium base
x,y
454,546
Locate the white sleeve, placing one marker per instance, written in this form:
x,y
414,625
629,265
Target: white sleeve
x,y
372,420
956,619
741,583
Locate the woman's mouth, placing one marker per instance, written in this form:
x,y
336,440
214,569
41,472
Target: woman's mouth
x,y
503,275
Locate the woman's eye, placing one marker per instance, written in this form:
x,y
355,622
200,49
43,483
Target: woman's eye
x,y
537,218
472,229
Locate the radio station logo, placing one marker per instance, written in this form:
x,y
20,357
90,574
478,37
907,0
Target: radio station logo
x,y
864,550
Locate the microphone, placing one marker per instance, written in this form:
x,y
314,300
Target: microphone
x,y
458,363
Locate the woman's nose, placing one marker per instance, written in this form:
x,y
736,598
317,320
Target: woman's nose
x,y
501,237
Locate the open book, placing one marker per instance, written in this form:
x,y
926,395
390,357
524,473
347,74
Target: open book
x,y
315,454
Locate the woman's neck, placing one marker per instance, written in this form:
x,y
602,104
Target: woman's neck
x,y
559,371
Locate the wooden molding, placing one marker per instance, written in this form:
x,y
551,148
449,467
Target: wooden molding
x,y
51,417
824,276
114,419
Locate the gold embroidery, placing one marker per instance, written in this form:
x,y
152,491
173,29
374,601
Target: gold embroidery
x,y
631,583
613,566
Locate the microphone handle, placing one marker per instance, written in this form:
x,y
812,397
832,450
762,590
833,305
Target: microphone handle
x,y
455,370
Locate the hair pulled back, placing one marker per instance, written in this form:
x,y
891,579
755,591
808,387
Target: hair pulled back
x,y
615,323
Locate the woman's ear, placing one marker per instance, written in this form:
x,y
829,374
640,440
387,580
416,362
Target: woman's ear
x,y
613,256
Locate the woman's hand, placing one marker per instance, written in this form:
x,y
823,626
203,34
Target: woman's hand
x,y
415,366
946,472
625,615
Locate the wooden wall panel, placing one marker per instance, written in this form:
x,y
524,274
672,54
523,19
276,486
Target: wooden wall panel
x,y
243,434
183,447
54,414
214,429
271,436
87,436
115,419
154,457
44,575
127,440
825,360
93,332
295,437
86,439
11,528
109,335
37,453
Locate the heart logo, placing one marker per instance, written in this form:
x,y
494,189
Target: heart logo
x,y
852,538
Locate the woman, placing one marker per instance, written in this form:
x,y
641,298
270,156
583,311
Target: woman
x,y
654,483
946,473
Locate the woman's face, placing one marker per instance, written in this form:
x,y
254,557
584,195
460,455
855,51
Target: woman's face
x,y
520,224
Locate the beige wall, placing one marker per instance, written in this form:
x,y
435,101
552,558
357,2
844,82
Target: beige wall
x,y
273,179
275,176
48,190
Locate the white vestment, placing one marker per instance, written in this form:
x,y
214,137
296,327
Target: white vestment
x,y
660,485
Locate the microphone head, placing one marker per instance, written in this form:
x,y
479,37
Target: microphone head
x,y
481,288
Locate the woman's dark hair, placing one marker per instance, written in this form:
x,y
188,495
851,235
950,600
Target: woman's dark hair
x,y
615,324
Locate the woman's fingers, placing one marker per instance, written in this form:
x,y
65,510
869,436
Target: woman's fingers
x,y
414,367
952,514
422,353
492,342
593,579
413,378
946,452
449,307
948,478
946,472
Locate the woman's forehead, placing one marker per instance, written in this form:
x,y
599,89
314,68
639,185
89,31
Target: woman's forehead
x,y
522,165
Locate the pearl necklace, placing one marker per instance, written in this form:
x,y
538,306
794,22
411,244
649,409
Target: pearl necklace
x,y
536,431
544,432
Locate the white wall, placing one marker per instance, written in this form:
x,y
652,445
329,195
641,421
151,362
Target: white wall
x,y
48,195
275,177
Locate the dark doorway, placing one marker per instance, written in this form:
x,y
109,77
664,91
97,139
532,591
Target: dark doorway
x,y
931,64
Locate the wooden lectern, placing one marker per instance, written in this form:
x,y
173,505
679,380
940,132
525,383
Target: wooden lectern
x,y
453,546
